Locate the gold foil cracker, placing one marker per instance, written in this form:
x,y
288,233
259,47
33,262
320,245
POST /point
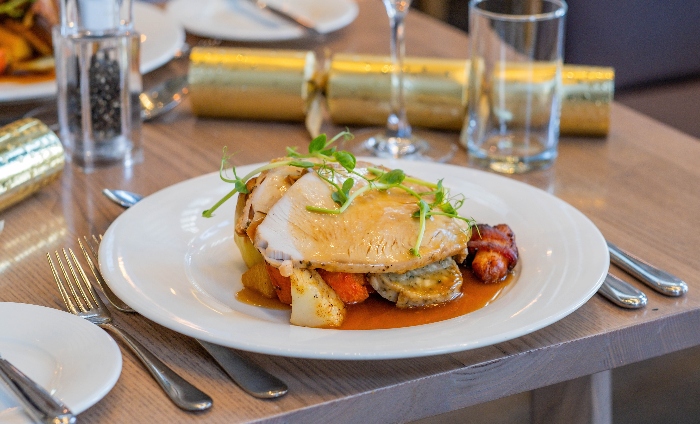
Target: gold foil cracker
x,y
358,91
587,94
286,85
31,156
251,83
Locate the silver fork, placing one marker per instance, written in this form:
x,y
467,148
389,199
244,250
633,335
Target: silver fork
x,y
111,297
253,379
80,299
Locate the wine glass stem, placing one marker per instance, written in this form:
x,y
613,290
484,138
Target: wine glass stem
x,y
397,124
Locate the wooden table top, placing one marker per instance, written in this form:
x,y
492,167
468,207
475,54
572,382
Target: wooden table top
x,y
639,185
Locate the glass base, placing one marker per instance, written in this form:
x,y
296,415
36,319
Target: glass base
x,y
410,148
510,165
513,153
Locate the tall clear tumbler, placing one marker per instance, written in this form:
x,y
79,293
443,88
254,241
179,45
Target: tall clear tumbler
x,y
514,83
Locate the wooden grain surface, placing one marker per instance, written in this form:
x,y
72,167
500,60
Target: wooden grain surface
x,y
639,186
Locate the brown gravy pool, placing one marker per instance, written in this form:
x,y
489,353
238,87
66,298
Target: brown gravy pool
x,y
376,313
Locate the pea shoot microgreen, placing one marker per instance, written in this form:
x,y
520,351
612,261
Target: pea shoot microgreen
x,y
321,157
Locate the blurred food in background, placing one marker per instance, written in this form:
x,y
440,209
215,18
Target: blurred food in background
x,y
26,51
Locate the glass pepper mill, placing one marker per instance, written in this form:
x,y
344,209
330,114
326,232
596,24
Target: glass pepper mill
x,y
99,81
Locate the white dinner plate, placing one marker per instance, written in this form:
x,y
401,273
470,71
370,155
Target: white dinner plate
x,y
161,38
183,271
241,20
74,360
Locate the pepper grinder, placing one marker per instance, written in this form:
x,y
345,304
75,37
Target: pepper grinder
x,y
99,81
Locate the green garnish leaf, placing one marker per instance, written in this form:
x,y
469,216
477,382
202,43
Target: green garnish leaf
x,y
393,177
15,8
346,160
338,197
448,208
327,152
317,144
302,164
292,152
423,210
347,185
240,186
439,193
320,158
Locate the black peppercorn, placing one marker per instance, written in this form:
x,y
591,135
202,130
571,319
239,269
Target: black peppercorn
x,y
105,105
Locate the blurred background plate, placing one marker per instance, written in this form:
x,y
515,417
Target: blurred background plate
x,y
241,20
161,38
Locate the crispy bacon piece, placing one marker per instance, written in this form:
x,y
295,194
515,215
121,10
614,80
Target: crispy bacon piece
x,y
492,252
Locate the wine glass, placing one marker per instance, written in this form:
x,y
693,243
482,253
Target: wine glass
x,y
398,140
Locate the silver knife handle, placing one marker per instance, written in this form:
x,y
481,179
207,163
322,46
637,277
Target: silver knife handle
x,y
181,392
36,401
657,279
254,380
621,293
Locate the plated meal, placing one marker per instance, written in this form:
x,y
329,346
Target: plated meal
x,y
322,232
34,77
184,271
25,38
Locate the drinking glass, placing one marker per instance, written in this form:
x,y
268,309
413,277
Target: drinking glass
x,y
514,83
398,140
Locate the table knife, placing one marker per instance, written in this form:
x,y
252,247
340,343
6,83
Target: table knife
x,y
254,380
36,401
294,19
659,280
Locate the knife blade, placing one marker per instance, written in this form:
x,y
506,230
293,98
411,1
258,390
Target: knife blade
x,y
254,380
291,18
37,402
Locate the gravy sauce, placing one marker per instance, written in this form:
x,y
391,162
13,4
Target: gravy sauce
x,y
376,313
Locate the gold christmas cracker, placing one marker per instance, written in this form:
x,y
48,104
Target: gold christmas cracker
x,y
358,89
357,92
522,92
286,84
587,95
31,156
251,83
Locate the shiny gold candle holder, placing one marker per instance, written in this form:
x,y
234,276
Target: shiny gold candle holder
x,y
251,83
31,156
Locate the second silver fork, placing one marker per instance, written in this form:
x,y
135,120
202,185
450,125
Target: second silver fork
x,y
80,299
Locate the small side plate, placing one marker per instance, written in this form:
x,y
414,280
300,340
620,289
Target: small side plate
x,y
72,359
